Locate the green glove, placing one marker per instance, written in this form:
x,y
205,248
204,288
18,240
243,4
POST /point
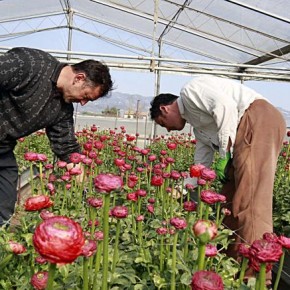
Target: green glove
x,y
220,167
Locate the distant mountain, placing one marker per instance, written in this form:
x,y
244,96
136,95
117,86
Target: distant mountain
x,y
129,102
122,101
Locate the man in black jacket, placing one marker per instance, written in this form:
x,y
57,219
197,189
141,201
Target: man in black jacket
x,y
36,92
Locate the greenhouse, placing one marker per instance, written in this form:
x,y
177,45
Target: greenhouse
x,y
119,214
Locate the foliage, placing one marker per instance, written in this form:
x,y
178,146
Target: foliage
x,y
144,259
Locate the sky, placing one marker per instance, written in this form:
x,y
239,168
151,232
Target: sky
x,y
137,82
142,83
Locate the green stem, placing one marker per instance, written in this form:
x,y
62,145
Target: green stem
x,y
161,263
172,282
106,242
201,256
51,272
85,274
97,265
278,276
243,270
116,252
261,281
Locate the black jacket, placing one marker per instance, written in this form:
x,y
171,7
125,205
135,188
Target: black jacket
x,y
30,101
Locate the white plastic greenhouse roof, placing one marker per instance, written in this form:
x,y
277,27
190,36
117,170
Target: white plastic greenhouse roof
x,y
243,39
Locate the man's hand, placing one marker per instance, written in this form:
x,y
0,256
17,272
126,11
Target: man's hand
x,y
220,167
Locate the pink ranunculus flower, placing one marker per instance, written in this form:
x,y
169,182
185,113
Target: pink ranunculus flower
x,y
40,260
75,171
206,280
270,237
208,174
107,182
211,197
284,241
201,181
141,192
89,248
150,208
95,202
119,211
140,218
39,280
59,239
41,157
99,235
266,252
45,214
76,158
205,230
132,196
61,164
178,223
161,231
210,250
16,248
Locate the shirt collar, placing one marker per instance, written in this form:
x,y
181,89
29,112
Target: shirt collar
x,y
180,106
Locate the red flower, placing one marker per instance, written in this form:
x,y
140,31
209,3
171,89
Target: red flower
x,y
120,211
30,156
195,170
39,280
244,250
205,230
107,182
94,128
119,161
16,248
59,239
206,280
189,206
178,223
37,202
156,180
171,146
265,252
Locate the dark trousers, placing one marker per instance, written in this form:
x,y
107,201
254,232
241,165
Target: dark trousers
x,y
8,186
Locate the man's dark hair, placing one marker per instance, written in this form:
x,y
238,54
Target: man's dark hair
x,y
97,74
159,100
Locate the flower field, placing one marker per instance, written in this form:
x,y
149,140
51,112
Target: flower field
x,y
122,218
